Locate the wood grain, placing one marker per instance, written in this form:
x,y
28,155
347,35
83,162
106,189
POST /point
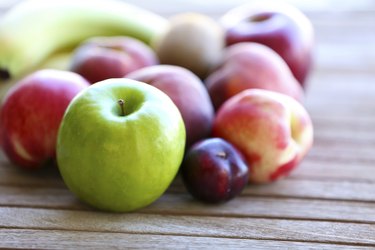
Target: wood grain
x,y
259,206
328,202
41,239
239,228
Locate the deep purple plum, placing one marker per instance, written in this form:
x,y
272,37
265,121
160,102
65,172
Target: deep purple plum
x,y
213,171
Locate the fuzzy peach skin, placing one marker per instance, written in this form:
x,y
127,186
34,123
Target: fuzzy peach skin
x,y
272,130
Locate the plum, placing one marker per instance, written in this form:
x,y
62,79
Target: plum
x,y
213,171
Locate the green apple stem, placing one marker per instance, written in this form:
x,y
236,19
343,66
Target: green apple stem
x,y
121,102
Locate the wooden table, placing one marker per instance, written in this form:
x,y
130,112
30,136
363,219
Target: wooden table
x,y
328,202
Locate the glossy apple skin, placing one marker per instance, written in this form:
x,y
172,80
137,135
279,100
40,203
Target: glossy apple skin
x,y
187,91
251,65
273,132
31,115
214,171
102,58
282,27
118,160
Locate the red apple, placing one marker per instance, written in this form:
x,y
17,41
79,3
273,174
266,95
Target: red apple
x,y
280,26
273,131
214,171
31,115
251,65
188,93
102,58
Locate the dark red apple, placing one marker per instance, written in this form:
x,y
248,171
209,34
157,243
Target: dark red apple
x,y
187,91
214,171
31,115
102,58
282,27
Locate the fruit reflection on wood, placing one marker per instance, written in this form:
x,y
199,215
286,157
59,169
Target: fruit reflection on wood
x,y
125,98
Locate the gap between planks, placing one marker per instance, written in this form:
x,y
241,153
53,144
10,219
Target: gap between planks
x,y
304,183
183,204
55,239
186,225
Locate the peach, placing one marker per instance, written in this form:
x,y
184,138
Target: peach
x,y
273,131
250,65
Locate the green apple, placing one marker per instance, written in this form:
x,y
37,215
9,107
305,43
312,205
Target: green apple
x,y
120,144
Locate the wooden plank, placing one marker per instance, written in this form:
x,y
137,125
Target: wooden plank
x,y
334,124
329,169
362,156
325,85
264,207
39,197
56,239
343,138
329,161
331,101
318,165
184,204
292,187
316,189
12,175
327,203
239,228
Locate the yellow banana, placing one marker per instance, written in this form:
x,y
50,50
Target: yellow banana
x,y
34,29
60,60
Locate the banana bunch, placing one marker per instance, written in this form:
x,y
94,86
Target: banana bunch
x,y
34,31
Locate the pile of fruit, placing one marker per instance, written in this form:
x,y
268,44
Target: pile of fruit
x,y
122,100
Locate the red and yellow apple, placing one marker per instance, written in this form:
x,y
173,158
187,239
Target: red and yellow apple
x,y
187,92
281,26
251,65
31,115
101,58
273,131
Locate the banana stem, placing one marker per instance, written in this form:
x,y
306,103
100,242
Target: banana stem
x,y
4,75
